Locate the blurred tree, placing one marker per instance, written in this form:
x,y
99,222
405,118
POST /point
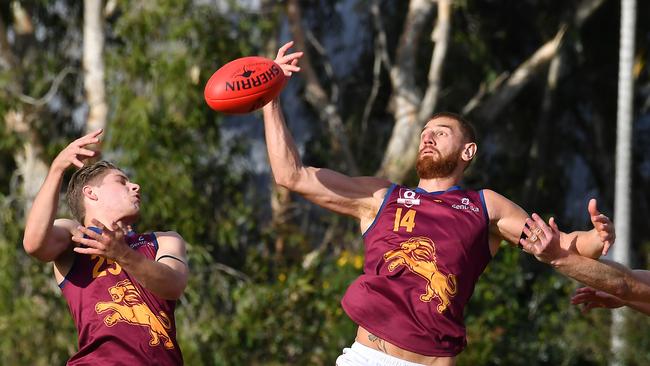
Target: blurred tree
x,y
267,292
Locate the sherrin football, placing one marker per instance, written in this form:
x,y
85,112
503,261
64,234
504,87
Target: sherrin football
x,y
244,85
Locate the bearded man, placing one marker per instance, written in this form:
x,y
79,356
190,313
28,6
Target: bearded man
x,y
425,247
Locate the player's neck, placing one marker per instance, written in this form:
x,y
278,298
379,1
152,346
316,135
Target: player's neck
x,y
106,220
438,184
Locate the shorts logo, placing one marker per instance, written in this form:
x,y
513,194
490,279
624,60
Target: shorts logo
x,y
408,198
466,205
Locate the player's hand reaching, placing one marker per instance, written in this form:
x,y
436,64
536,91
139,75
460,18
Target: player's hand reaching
x,y
543,241
288,62
110,244
595,299
603,225
76,152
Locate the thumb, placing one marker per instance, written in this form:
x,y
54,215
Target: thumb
x,y
593,208
553,225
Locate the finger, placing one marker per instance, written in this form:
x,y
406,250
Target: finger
x,y
553,225
89,251
291,68
582,298
593,208
91,243
89,233
122,227
585,290
78,163
95,133
539,222
606,247
86,152
105,231
129,227
600,218
284,49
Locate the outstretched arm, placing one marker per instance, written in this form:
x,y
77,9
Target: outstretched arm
x,y
166,277
508,221
602,275
45,238
592,298
359,197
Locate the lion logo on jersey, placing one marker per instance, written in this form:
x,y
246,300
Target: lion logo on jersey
x,y
418,254
128,307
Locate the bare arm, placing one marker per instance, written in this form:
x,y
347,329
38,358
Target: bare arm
x,y
166,277
592,298
507,221
44,238
359,197
601,274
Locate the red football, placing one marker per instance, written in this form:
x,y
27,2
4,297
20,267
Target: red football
x,y
244,85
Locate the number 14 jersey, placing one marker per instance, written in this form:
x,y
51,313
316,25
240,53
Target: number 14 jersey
x,y
423,255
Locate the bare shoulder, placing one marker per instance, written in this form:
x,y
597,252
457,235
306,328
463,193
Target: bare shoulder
x,y
169,237
67,224
379,186
499,206
63,230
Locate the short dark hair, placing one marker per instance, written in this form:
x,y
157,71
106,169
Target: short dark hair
x,y
465,126
80,178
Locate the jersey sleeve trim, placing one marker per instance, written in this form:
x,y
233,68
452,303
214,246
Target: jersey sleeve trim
x,y
155,240
65,278
383,203
485,210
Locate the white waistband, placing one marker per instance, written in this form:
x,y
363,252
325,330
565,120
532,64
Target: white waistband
x,y
358,354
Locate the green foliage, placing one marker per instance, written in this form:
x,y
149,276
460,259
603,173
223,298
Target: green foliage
x,y
250,301
520,314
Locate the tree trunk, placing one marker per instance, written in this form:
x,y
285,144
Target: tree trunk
x,y
316,94
93,64
411,108
623,184
30,167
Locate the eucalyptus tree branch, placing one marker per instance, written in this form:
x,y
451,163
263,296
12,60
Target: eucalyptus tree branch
x,y
380,56
316,95
407,98
501,94
327,66
440,38
381,33
376,81
38,102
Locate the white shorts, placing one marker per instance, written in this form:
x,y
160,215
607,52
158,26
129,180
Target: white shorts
x,y
360,355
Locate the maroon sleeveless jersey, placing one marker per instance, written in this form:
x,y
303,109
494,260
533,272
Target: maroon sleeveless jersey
x,y
423,255
118,321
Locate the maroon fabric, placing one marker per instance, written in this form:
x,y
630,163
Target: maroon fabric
x,y
420,269
118,321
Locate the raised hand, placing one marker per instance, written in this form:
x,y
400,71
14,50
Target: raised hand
x,y
288,62
595,299
75,152
110,244
603,225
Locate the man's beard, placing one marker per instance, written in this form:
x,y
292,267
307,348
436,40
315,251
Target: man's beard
x,y
429,167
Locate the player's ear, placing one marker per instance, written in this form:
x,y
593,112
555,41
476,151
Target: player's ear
x,y
88,191
469,151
